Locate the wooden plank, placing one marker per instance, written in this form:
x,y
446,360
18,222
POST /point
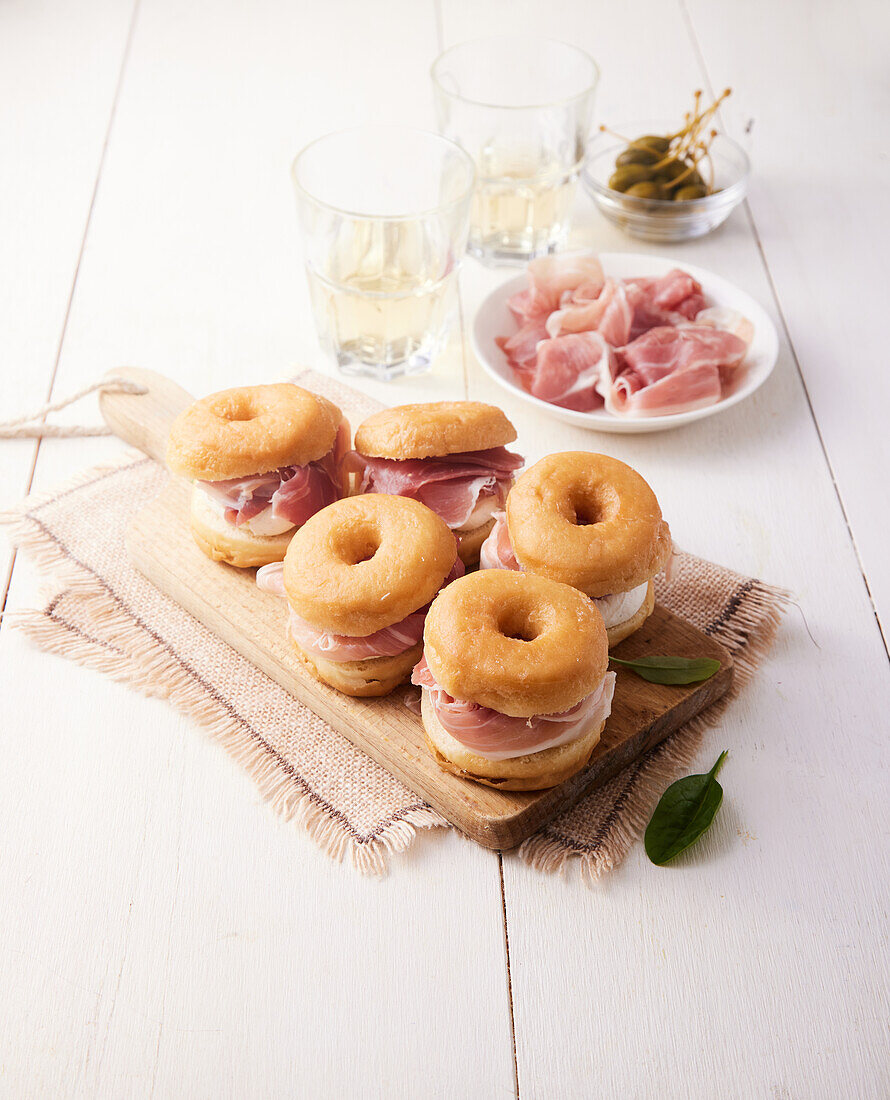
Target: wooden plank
x,y
818,199
759,965
163,931
227,601
50,152
144,419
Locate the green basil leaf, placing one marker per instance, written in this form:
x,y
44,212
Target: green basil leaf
x,y
671,670
683,814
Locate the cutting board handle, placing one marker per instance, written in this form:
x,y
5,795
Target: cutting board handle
x,y
143,420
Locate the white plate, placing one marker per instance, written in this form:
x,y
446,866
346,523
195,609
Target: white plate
x,y
495,319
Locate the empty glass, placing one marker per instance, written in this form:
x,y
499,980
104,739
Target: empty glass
x,y
385,215
522,108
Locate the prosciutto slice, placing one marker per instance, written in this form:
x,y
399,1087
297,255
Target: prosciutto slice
x,y
292,494
729,319
568,369
672,370
497,550
609,313
451,486
668,300
520,305
498,736
522,348
389,642
694,388
668,349
549,278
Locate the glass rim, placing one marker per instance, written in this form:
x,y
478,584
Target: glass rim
x,y
587,90
464,197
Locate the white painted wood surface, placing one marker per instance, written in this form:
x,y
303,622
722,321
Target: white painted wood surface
x,y
59,67
163,933
820,213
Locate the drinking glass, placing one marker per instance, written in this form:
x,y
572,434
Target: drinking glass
x,y
385,215
522,108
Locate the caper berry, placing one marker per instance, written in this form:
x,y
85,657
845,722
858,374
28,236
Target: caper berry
x,y
633,155
690,191
652,141
671,170
648,189
656,166
629,174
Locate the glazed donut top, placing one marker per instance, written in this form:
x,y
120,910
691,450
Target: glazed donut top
x,y
251,430
432,430
515,642
367,562
587,520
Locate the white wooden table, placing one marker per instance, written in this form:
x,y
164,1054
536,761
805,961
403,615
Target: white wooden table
x,y
163,933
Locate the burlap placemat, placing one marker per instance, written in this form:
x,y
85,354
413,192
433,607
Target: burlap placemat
x,y
100,612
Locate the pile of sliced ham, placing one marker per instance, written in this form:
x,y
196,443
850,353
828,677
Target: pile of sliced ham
x,y
636,347
388,642
498,736
454,486
287,496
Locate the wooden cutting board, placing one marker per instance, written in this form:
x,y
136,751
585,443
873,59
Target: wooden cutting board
x,y
227,601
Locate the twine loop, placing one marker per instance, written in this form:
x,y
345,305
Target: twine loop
x,y
34,426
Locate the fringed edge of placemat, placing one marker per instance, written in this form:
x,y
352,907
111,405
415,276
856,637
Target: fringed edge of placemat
x,y
136,658
552,851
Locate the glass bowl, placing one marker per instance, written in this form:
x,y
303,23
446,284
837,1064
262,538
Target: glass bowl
x,y
660,220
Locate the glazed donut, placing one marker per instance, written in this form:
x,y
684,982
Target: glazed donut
x,y
449,455
366,562
515,642
250,430
433,429
587,520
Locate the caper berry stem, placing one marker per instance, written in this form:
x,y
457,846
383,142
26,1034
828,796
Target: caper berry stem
x,y
678,181
688,147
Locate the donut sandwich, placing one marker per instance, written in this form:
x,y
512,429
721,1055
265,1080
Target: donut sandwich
x,y
262,459
514,677
449,455
589,521
358,578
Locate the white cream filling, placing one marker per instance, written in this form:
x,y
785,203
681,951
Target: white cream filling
x,y
621,606
482,513
262,525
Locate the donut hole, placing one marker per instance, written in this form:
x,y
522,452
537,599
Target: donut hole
x,y
364,553
357,544
519,624
586,511
236,407
587,508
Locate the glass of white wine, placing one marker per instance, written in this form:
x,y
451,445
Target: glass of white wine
x,y
385,217
522,107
